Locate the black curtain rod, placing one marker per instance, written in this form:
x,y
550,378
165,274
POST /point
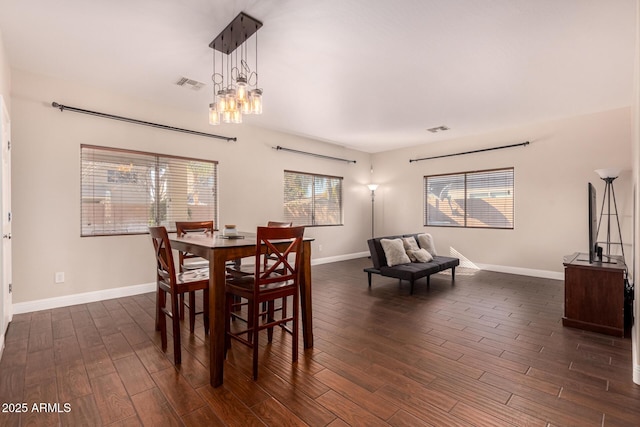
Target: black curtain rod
x,y
471,152
139,122
312,154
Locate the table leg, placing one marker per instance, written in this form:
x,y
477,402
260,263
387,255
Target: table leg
x,y
216,316
305,296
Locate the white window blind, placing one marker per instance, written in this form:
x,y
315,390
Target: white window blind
x,y
312,200
125,192
482,199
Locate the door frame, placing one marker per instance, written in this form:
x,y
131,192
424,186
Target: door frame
x,y
6,306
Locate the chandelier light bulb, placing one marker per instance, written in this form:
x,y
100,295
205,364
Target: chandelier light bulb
x,y
241,85
214,116
221,101
232,101
245,106
256,101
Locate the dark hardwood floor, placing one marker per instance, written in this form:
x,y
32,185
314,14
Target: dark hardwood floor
x,y
488,351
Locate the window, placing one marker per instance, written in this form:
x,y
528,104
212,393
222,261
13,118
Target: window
x,y
125,192
311,199
482,199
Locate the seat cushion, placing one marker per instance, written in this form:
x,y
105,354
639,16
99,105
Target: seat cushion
x,y
193,276
445,262
412,271
417,270
195,263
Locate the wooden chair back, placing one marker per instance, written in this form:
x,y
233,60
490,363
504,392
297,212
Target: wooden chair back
x,y
166,270
279,224
285,263
184,227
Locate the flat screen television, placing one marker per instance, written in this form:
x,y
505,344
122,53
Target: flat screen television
x,y
593,225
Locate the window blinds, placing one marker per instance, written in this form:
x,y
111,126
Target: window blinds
x,y
125,192
482,199
312,200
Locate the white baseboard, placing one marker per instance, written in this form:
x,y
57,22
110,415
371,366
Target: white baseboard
x,y
83,298
544,274
327,260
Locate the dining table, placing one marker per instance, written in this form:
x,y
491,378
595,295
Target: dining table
x,y
219,249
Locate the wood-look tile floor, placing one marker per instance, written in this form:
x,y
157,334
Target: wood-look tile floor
x,y
488,351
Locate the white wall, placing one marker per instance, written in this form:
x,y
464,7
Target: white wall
x,y
46,184
551,176
5,75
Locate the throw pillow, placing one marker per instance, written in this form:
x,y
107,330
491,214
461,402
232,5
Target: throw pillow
x,y
410,244
420,255
426,242
394,251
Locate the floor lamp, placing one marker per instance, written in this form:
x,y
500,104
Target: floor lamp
x,y
373,188
608,176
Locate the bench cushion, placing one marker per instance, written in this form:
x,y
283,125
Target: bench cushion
x,y
418,270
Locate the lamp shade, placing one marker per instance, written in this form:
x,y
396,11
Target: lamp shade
x,y
372,187
608,172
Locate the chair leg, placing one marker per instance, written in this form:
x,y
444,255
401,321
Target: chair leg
x,y
162,318
158,311
229,300
296,314
192,310
270,318
182,306
369,277
205,310
256,333
251,322
175,317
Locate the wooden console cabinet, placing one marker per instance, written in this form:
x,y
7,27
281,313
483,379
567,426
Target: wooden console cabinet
x,y
594,294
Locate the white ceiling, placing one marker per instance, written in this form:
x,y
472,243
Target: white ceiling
x,y
367,74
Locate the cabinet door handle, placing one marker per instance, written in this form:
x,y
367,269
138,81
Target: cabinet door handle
x,y
6,236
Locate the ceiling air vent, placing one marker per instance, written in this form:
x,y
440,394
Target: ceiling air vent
x,y
190,83
438,129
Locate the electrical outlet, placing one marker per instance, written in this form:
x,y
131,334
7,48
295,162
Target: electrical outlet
x,y
319,248
60,277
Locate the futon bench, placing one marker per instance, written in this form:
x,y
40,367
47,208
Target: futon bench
x,y
411,271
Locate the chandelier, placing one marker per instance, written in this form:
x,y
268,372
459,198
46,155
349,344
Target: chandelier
x,y
235,84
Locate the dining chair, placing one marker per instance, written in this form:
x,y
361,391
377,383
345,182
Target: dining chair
x,y
279,280
238,270
188,261
175,284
